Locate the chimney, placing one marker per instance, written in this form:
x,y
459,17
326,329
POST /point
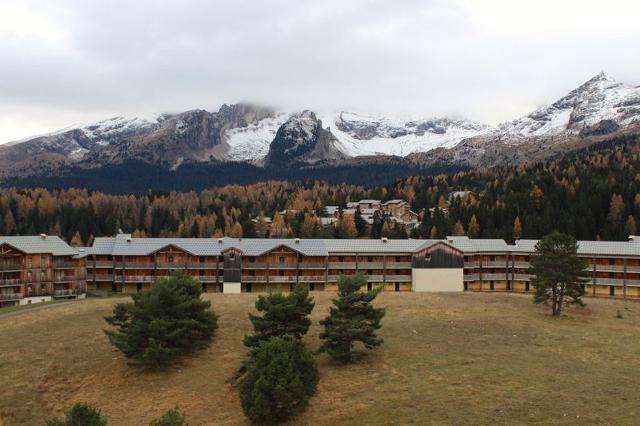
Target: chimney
x,y
632,237
384,239
43,236
220,240
128,238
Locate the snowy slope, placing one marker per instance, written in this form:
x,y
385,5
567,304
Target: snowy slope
x,y
600,101
364,134
251,143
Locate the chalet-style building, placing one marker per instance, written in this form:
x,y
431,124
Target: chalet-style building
x,y
232,265
39,269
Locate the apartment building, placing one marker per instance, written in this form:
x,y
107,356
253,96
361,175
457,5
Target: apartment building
x,y
231,265
38,269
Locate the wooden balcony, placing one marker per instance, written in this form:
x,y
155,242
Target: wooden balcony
x,y
11,283
68,278
282,266
136,278
402,278
370,265
307,265
342,265
11,267
64,265
203,265
398,265
470,277
494,264
102,277
11,296
136,265
67,293
254,265
494,277
207,278
100,264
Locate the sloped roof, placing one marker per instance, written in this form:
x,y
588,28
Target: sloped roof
x,y
50,244
372,246
469,245
596,248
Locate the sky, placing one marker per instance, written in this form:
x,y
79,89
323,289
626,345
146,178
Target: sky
x,y
64,62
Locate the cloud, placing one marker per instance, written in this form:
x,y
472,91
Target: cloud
x,y
66,61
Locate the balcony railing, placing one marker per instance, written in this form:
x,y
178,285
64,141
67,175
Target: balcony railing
x,y
64,265
521,265
137,265
11,267
68,278
370,265
137,279
311,278
398,265
307,265
10,283
11,296
103,277
101,263
282,279
342,265
169,265
254,265
202,265
67,293
522,277
404,278
490,277
254,279
282,266
470,277
206,278
475,264
494,264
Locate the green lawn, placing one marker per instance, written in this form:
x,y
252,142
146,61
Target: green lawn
x,y
447,359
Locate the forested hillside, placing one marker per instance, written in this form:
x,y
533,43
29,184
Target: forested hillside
x,y
592,194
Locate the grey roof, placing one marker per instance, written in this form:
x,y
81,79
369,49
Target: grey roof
x,y
596,248
124,245
468,245
372,246
49,244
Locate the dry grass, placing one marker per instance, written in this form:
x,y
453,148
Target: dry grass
x,y
447,359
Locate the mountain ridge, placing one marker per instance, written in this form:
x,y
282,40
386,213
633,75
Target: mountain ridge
x,y
597,109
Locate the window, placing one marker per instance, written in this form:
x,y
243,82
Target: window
x,y
281,259
466,286
170,259
370,259
612,290
526,286
312,286
397,286
492,285
340,259
369,286
232,256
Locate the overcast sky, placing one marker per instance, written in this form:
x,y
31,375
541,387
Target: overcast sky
x,y
69,61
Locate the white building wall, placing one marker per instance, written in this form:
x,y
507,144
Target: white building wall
x,y
233,288
35,299
437,279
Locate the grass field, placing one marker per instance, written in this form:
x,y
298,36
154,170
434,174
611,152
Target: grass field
x,y
447,359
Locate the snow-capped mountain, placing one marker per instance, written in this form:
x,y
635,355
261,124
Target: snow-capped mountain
x,y
360,134
600,108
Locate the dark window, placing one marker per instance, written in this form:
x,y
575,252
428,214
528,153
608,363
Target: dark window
x,y
281,273
370,259
312,286
612,290
170,259
291,286
232,256
466,286
526,286
248,287
281,259
369,286
397,286
340,259
492,285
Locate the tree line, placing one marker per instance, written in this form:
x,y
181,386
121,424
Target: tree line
x,y
594,194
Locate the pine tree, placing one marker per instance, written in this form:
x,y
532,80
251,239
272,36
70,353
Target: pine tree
x,y
281,378
9,223
473,230
170,418
630,227
559,272
517,228
80,414
76,241
352,319
163,323
283,315
458,229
